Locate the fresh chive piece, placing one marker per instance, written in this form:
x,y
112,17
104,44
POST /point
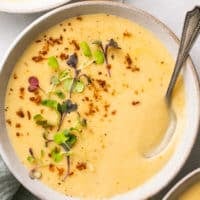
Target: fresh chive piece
x,y
85,49
98,57
53,63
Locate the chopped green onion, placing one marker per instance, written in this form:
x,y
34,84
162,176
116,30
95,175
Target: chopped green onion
x,y
85,49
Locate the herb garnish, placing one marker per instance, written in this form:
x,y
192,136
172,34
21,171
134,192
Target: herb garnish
x,y
111,44
41,121
65,108
53,63
34,84
86,49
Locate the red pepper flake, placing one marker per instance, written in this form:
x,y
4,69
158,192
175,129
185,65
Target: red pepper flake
x,y
8,121
71,173
21,90
75,44
81,166
15,76
127,34
64,56
79,18
20,113
51,167
60,171
36,99
17,134
128,59
37,58
17,125
28,114
134,103
114,112
106,107
135,69
38,41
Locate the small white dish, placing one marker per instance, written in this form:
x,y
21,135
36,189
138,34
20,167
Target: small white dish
x,y
183,185
29,6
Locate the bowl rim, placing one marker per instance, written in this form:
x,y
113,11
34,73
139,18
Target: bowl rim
x,y
151,17
185,179
21,8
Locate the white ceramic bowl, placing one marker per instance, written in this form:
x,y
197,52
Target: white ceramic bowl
x,y
29,6
167,173
182,186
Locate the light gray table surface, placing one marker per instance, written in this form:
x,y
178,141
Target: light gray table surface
x,y
171,12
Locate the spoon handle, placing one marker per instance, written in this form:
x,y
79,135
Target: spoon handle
x,y
190,32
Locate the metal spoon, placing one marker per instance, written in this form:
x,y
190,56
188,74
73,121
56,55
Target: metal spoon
x,y
189,35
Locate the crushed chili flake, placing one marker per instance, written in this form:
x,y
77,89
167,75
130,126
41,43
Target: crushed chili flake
x,y
64,56
106,107
81,166
128,59
75,44
134,103
71,173
37,58
101,83
51,167
17,134
21,90
36,99
17,125
20,113
127,34
28,114
60,171
79,18
53,41
8,121
38,41
113,112
15,76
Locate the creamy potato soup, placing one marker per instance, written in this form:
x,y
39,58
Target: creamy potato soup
x,y
86,100
192,193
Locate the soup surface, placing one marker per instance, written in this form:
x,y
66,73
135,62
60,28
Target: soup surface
x,y
192,193
85,101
